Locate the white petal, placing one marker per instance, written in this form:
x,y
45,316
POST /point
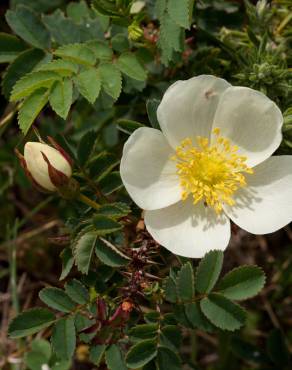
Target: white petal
x,y
188,108
188,230
251,121
147,171
38,167
266,204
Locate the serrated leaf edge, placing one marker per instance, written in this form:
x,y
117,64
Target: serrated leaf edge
x,y
202,261
114,248
217,286
222,327
178,279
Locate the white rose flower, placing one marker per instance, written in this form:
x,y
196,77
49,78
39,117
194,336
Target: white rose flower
x,y
210,163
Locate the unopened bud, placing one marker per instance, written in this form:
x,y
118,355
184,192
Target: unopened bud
x,y
122,314
261,7
101,309
137,6
127,306
47,166
135,32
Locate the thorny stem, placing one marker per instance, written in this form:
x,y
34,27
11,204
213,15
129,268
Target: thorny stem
x,y
91,203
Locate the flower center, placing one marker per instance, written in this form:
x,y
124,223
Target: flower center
x,y
211,173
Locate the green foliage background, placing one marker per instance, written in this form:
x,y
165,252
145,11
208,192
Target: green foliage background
x,y
88,74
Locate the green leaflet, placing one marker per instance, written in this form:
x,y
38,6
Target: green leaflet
x,y
130,66
105,225
114,210
77,291
111,79
222,312
208,271
60,97
78,53
89,84
141,353
185,282
144,331
10,47
242,282
114,358
30,322
102,164
83,247
151,106
67,262
181,11
86,146
30,109
101,50
26,24
96,353
171,39
40,354
196,318
170,289
167,359
111,182
31,82
109,254
22,64
64,338
63,67
56,298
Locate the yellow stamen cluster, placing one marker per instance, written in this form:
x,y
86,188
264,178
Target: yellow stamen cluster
x,y
210,172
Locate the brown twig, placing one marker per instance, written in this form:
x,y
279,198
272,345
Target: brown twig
x,y
30,234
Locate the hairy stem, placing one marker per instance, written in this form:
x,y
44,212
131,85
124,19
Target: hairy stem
x,y
91,203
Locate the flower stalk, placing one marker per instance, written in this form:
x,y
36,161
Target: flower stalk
x,y
91,203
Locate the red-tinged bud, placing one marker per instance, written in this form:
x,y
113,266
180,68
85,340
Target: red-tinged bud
x,y
92,329
101,309
117,318
46,166
61,150
58,178
127,306
122,314
28,174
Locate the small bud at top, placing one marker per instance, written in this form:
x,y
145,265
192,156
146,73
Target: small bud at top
x,y
137,6
135,32
261,7
127,306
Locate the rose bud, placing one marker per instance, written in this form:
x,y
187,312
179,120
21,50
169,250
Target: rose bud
x,y
122,314
48,168
101,309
